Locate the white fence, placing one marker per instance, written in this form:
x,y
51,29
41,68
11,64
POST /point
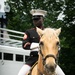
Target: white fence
x,y
12,56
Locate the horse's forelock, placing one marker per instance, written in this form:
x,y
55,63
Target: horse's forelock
x,y
50,31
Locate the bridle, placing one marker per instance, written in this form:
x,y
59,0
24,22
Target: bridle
x,y
47,56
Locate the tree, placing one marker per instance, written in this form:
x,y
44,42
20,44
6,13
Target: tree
x,y
19,19
68,52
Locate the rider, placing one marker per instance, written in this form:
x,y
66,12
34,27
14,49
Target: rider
x,y
31,40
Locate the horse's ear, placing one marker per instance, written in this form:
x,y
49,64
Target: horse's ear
x,y
39,31
58,31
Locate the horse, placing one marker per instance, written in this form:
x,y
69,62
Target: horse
x,y
48,52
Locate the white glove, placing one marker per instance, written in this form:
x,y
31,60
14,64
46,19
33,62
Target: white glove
x,y
34,46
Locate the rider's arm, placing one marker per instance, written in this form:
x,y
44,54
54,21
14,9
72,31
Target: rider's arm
x,y
26,43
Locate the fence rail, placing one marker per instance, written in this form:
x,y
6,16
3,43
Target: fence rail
x,y
11,37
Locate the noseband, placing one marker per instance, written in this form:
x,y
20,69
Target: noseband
x,y
49,55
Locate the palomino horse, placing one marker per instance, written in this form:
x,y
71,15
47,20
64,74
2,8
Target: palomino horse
x,y
49,45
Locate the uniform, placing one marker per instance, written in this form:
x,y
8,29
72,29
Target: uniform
x,y
32,36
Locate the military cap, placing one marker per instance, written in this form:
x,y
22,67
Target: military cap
x,y
37,13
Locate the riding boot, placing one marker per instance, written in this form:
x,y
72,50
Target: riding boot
x,y
24,70
59,71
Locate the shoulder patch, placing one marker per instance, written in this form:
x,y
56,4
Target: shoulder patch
x,y
25,36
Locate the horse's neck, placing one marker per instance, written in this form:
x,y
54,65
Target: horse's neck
x,y
40,63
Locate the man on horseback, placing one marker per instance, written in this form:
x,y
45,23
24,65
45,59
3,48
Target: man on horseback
x,y
31,40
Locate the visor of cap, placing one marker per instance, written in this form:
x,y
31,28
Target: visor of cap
x,y
36,17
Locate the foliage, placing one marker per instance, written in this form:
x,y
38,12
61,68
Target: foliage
x,y
68,49
19,19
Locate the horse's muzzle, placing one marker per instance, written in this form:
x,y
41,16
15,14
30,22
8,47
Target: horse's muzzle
x,y
50,68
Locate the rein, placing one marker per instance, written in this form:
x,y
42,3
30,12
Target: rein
x,y
32,68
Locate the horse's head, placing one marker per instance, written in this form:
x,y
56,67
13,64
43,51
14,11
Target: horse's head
x,y
49,46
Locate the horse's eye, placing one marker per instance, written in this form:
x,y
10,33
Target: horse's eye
x,y
41,43
57,43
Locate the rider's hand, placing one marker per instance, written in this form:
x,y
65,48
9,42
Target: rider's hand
x,y
28,43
